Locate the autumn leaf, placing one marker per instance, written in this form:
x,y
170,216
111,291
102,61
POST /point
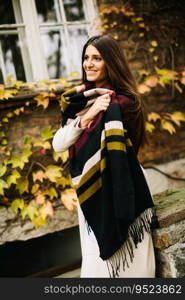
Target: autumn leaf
x,y
151,81
64,181
12,179
69,199
74,74
166,76
3,169
149,127
43,82
16,161
17,204
29,210
40,198
7,93
18,111
63,155
177,117
18,83
154,43
35,188
2,134
166,125
143,88
46,209
22,185
47,133
39,221
62,80
177,86
42,99
39,175
53,173
52,86
153,116
51,192
3,185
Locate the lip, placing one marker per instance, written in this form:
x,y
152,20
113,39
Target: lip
x,y
90,71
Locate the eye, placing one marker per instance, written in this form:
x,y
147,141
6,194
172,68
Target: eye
x,y
85,57
98,58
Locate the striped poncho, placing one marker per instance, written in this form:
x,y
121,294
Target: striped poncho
x,y
109,181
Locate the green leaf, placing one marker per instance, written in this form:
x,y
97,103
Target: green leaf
x,y
13,178
17,204
47,133
3,185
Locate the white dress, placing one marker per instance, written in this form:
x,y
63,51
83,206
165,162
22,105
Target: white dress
x,y
143,265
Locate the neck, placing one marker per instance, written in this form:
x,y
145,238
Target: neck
x,y
100,83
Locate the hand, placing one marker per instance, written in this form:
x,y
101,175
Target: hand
x,y
80,88
101,104
99,91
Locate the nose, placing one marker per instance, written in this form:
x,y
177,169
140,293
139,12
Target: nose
x,y
89,63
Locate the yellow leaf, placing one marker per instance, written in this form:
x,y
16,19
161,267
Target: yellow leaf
x,y
16,162
43,82
9,80
42,99
35,188
17,204
3,185
51,192
177,117
178,87
62,80
29,210
7,93
63,155
2,170
18,83
64,181
52,86
12,179
141,34
149,127
151,50
154,43
39,221
153,116
74,74
182,80
53,173
155,57
166,125
22,185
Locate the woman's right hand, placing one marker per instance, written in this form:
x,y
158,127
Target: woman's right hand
x,y
101,104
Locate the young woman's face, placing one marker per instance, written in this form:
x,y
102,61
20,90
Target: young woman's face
x,y
94,66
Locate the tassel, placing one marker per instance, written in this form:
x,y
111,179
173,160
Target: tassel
x,y
125,255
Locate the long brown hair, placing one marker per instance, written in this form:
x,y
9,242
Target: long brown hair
x,y
119,77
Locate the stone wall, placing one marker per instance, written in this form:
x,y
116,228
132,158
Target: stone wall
x,y
169,238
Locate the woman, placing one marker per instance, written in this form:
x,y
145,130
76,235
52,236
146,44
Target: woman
x,y
104,128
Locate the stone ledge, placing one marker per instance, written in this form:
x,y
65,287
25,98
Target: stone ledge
x,y
170,206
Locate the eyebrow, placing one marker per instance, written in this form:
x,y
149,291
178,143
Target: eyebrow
x,y
95,55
